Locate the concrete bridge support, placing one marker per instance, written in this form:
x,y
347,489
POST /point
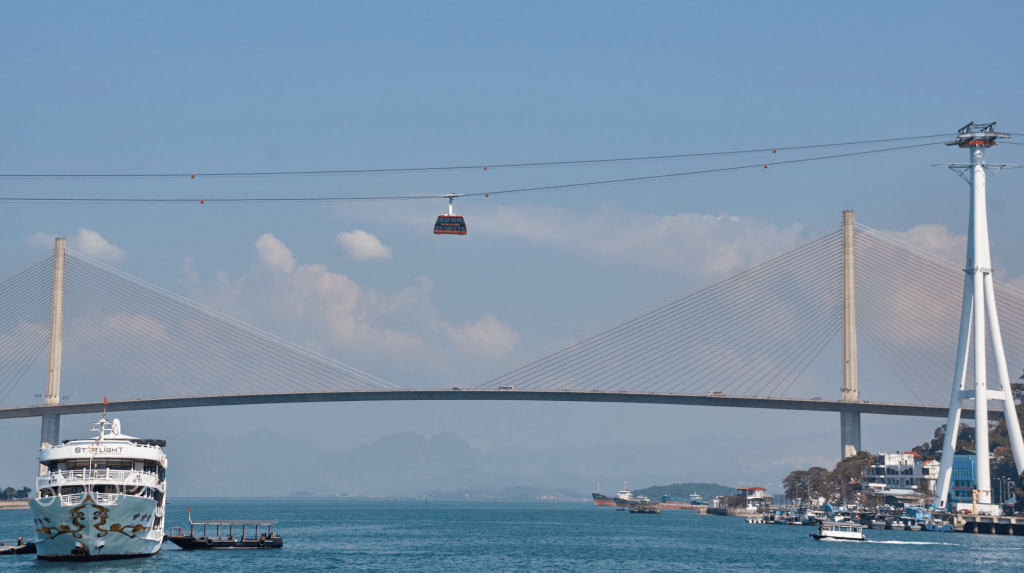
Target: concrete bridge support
x,y
849,422
51,422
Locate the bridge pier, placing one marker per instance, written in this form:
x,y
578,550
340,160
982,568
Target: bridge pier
x,y
50,433
849,422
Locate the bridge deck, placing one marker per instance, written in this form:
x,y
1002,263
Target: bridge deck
x,y
888,409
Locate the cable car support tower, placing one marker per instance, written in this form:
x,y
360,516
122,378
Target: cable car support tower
x,y
979,306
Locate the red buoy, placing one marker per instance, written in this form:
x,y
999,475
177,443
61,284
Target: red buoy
x,y
193,176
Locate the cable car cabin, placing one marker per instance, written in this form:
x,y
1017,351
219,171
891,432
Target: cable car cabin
x,y
450,225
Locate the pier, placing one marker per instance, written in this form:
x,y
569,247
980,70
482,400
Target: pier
x,y
996,525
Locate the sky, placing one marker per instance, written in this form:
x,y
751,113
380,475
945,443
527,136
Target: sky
x,y
199,87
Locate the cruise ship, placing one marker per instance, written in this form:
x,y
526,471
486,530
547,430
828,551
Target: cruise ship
x,y
100,498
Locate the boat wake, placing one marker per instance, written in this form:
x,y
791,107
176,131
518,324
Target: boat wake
x,y
911,543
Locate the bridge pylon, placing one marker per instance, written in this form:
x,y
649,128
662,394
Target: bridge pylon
x,y
979,303
849,422
51,422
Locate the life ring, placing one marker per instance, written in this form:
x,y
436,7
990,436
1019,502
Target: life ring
x,y
260,543
209,542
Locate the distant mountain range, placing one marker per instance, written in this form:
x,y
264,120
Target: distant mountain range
x,y
408,464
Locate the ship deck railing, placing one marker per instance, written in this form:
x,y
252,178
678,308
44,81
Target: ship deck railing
x,y
95,474
100,498
231,523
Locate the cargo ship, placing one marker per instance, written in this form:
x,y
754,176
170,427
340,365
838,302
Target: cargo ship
x,y
625,498
695,502
622,499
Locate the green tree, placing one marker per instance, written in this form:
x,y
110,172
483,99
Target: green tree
x,y
818,483
795,485
847,473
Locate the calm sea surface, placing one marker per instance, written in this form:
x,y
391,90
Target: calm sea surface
x,y
384,535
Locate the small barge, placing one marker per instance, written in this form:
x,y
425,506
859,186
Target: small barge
x,y
249,538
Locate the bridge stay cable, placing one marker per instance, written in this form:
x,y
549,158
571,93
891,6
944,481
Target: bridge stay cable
x,y
136,341
705,335
24,308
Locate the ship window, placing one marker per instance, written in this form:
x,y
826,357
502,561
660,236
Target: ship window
x,y
150,469
116,464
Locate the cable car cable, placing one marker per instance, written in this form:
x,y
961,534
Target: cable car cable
x,y
434,197
442,168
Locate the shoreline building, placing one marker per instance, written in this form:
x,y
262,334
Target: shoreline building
x,y
964,479
754,497
900,471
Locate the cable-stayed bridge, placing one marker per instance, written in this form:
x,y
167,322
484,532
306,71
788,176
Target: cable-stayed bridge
x,y
744,338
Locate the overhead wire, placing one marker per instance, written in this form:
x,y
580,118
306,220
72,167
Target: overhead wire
x,y
557,187
226,174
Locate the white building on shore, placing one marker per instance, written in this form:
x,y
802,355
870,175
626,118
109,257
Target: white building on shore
x,y
901,470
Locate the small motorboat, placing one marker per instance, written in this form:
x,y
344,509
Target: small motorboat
x,y
877,523
896,525
17,548
644,508
839,531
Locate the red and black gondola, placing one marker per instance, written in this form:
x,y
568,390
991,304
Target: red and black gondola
x,y
450,225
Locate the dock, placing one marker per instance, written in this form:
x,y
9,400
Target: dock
x,y
996,525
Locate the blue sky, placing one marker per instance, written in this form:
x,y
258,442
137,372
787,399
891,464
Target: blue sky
x,y
199,87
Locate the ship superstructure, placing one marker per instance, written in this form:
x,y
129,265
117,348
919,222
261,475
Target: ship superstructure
x,y
100,498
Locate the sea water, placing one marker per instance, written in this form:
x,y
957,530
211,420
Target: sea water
x,y
471,536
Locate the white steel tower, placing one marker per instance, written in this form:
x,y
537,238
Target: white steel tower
x,y
979,305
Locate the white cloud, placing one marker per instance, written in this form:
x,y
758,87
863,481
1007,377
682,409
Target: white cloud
x,y
487,336
40,239
935,239
88,242
689,243
362,246
274,254
333,311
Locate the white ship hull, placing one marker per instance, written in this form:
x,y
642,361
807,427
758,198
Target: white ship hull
x,y
92,526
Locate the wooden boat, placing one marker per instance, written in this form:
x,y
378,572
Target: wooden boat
x,y
250,537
